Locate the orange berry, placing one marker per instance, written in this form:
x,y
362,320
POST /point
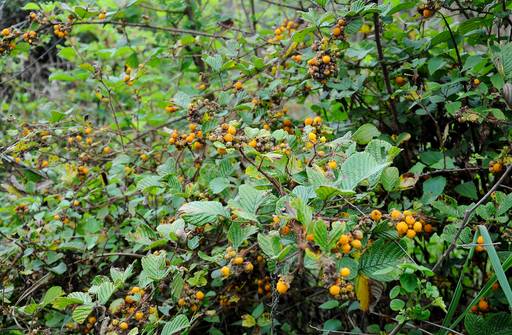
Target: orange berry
x,y
346,248
308,121
483,305
428,228
231,130
331,165
480,240
400,81
402,227
411,233
376,215
396,214
282,286
345,272
253,143
123,325
344,239
225,271
409,219
336,31
199,295
238,85
417,227
356,244
310,237
334,290
139,316
228,137
427,12
326,59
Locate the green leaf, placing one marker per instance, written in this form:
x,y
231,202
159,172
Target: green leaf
x,y
380,261
467,189
329,304
105,291
154,266
397,304
219,184
496,264
50,295
177,324
390,178
80,313
148,182
237,235
200,213
365,133
321,237
433,188
357,168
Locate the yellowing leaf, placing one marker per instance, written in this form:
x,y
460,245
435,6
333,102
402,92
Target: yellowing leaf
x,y
363,292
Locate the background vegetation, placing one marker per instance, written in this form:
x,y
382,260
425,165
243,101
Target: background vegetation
x,y
255,167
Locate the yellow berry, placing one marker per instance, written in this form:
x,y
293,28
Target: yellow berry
x,y
123,325
308,121
409,219
238,260
231,130
395,214
334,290
248,267
344,239
326,59
417,227
376,215
312,137
238,85
346,248
480,239
411,233
282,287
402,227
356,244
332,165
225,271
139,316
228,137
199,295
345,272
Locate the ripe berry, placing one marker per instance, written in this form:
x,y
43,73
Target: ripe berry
x,y
400,81
228,137
356,244
225,271
282,287
238,260
345,272
6,32
427,13
312,137
402,227
107,150
480,239
231,130
91,320
123,325
238,85
395,214
418,227
346,248
344,239
336,31
310,237
308,121
411,233
428,228
476,81
326,59
199,295
334,290
182,302
409,219
376,215
139,316
331,165
483,305
248,267
253,143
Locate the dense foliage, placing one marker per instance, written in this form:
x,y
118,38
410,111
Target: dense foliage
x,y
255,167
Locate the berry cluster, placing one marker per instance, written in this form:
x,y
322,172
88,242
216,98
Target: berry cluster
x,y
199,108
342,289
350,240
322,66
194,138
406,223
61,30
7,42
338,31
286,28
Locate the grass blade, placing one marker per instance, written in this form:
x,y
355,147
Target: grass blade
x,y
496,264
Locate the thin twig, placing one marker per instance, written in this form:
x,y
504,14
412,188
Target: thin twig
x,y
467,215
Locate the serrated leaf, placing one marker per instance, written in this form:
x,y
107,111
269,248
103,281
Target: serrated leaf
x,y
80,313
380,260
200,213
177,324
390,178
148,181
357,168
154,266
365,133
237,234
321,237
50,295
105,291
